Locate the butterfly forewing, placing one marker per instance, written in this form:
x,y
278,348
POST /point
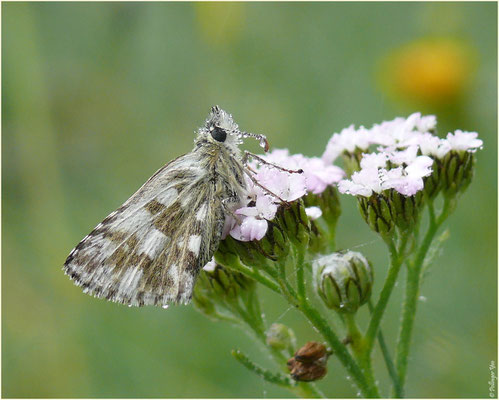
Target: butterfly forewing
x,y
150,250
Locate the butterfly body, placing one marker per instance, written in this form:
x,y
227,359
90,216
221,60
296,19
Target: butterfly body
x,y
151,249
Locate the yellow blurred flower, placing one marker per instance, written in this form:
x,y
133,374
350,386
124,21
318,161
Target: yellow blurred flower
x,y
220,23
429,71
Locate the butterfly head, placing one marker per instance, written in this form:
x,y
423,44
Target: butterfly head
x,y
220,128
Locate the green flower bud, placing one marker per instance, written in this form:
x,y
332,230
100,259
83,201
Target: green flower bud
x,y
343,280
377,213
322,235
351,161
433,183
201,297
405,209
274,244
293,221
390,209
457,172
280,337
219,285
250,253
329,203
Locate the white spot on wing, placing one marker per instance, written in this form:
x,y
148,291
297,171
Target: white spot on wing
x,y
153,243
133,220
168,197
201,214
194,244
130,280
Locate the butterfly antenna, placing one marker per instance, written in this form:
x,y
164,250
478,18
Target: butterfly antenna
x,y
261,138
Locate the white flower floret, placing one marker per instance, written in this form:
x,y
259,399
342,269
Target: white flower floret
x,y
464,141
374,177
347,140
406,156
431,145
362,183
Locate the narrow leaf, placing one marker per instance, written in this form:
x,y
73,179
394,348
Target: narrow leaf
x,y
275,378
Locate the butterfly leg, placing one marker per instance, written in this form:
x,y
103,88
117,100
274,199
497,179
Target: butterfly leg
x,y
248,170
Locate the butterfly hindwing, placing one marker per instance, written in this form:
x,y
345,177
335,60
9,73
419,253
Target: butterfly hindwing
x,y
150,250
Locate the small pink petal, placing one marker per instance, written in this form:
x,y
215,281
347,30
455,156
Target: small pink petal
x,y
253,229
266,208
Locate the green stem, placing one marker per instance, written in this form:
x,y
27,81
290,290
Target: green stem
x,y
390,366
300,275
286,289
268,376
412,291
391,278
353,332
254,274
408,315
340,350
358,347
308,390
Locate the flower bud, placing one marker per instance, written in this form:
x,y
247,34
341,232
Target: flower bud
x,y
280,337
294,222
230,249
201,297
405,209
351,160
274,244
322,235
344,280
221,284
377,213
329,203
457,172
433,182
309,362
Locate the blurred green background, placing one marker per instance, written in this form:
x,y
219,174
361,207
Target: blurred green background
x,y
97,96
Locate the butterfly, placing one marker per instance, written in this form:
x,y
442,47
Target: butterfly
x,y
152,248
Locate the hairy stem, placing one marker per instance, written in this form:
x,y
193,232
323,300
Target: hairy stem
x,y
359,349
340,350
412,291
390,366
391,278
300,273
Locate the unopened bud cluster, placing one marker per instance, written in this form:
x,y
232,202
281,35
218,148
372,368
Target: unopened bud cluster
x,y
217,286
343,280
292,228
383,212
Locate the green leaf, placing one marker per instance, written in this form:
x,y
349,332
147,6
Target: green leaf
x,y
275,378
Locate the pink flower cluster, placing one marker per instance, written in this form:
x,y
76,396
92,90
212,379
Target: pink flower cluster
x,y
274,185
405,152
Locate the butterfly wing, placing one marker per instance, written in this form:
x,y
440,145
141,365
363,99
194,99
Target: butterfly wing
x,y
150,250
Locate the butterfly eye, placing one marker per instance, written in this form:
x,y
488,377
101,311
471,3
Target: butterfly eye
x,y
218,134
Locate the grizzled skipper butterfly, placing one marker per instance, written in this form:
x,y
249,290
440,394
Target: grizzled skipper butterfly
x,y
151,249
